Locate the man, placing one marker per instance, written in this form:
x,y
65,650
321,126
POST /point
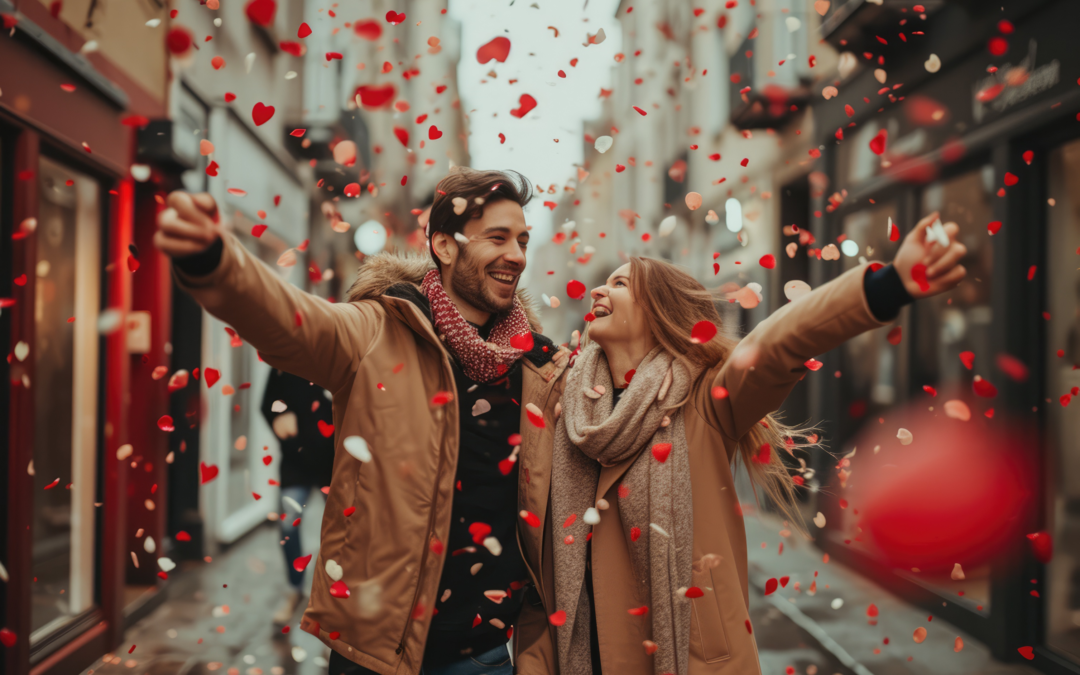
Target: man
x,y
444,404
294,408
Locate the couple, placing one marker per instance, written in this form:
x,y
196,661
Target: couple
x,y
588,511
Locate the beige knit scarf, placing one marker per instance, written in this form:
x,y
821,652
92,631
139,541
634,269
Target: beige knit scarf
x,y
659,503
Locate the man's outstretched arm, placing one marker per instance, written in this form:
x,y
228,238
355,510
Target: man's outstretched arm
x,y
293,330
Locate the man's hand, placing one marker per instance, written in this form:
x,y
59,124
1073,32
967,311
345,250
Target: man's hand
x,y
190,225
926,267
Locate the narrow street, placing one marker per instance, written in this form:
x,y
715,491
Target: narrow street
x,y
217,620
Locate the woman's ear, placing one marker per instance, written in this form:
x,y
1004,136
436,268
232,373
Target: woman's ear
x,y
446,249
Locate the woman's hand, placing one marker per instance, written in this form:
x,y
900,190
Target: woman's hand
x,y
925,266
190,225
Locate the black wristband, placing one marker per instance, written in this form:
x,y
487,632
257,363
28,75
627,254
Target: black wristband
x,y
203,263
885,293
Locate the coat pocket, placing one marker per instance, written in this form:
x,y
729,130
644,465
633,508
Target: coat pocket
x,y
706,622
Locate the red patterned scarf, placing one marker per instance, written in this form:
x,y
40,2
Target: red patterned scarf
x,y
482,361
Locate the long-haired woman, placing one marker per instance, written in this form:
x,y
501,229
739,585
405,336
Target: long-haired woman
x,y
648,546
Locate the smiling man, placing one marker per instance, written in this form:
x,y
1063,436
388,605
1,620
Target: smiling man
x,y
433,528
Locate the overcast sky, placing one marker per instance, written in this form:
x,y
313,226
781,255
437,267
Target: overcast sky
x,y
536,56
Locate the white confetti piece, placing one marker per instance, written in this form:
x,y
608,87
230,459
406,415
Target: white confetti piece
x,y
166,564
932,64
358,448
592,516
492,544
603,144
905,436
819,519
957,573
480,407
667,226
334,570
292,503
837,603
149,546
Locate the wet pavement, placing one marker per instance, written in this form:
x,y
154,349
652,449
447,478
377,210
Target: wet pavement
x,y
217,619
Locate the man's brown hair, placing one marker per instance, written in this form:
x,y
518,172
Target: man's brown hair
x,y
470,185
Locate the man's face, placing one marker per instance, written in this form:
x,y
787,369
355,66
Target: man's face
x,y
485,271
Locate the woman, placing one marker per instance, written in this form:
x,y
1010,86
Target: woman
x,y
650,425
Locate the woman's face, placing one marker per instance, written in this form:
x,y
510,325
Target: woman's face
x,y
618,317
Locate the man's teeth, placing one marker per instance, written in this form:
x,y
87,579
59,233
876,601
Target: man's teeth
x,y
508,278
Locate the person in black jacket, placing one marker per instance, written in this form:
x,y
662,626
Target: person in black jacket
x,y
294,407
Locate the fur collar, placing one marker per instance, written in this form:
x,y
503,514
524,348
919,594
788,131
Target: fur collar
x,y
380,272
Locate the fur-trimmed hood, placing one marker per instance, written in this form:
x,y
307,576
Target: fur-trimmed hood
x,y
380,272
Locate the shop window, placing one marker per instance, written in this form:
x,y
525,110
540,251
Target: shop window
x,y
870,374
947,325
65,386
1062,591
952,323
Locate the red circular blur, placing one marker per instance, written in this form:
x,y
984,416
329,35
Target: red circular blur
x,y
959,493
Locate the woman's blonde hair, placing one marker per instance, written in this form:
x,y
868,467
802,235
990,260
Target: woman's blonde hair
x,y
672,302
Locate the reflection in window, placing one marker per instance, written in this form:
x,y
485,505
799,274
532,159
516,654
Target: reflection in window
x,y
1063,380
870,361
949,324
64,383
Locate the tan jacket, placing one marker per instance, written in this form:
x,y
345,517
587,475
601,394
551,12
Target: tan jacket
x,y
721,642
386,548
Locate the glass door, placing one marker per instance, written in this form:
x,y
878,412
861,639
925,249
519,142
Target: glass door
x,y
65,358
1062,594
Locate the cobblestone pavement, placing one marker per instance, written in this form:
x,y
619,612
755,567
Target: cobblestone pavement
x,y
217,620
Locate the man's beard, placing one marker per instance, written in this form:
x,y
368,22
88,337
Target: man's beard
x,y
470,284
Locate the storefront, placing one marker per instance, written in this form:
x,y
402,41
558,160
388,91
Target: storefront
x,y
81,342
998,152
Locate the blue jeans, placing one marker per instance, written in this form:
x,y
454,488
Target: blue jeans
x,y
291,533
494,662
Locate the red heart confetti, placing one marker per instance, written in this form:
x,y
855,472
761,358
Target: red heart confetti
x,y
813,364
376,96
557,618
261,12
183,536
211,376
434,133
661,451
983,388
894,335
1011,179
770,586
207,472
525,104
257,230
1027,652
531,518
575,289
261,114
993,227
368,29
1028,156
638,611
877,143
479,531
702,332
303,31
165,423
635,534
394,18
339,590
349,511
967,358
524,342
719,392
301,563
694,592
498,49
768,261
327,430
783,581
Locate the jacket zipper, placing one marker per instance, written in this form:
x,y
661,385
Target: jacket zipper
x,y
431,519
